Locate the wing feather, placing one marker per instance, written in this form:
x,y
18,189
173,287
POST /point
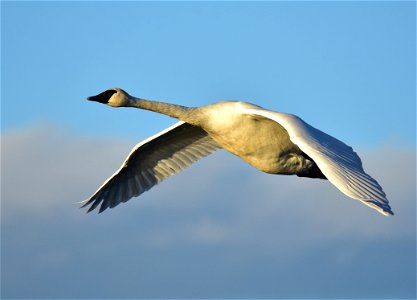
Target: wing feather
x,y
337,161
151,161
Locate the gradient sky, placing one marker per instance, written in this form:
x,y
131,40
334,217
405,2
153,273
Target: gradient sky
x,y
220,229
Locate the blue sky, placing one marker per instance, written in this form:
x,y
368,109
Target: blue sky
x,y
220,229
345,67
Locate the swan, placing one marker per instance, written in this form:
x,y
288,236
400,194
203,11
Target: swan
x,y
272,142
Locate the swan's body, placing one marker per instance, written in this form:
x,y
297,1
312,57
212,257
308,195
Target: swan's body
x,y
272,142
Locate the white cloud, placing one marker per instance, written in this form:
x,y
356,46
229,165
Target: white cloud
x,y
44,167
239,216
48,171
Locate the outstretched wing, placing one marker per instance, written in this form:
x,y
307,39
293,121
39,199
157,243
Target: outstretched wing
x,y
151,161
337,161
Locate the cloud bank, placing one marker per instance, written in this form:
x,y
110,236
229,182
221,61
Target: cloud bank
x,y
220,229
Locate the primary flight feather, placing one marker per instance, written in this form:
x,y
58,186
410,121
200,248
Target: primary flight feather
x,y
272,142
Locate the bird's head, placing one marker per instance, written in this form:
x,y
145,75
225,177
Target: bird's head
x,y
114,97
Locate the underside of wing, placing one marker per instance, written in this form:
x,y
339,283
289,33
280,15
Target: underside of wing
x,y
151,161
337,161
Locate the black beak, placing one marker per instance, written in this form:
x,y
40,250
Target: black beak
x,y
103,97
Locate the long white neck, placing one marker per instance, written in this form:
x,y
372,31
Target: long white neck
x,y
180,112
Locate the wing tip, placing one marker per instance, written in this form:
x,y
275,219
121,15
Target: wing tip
x,y
84,203
93,207
383,209
94,203
387,212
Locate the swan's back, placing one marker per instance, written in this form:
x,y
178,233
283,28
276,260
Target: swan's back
x,y
261,142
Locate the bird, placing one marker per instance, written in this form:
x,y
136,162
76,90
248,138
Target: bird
x,y
272,142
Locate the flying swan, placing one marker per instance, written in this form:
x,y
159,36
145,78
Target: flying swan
x,y
272,142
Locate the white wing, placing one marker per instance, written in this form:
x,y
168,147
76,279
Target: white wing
x,y
337,161
151,161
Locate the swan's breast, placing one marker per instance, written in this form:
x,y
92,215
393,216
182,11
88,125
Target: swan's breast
x,y
259,141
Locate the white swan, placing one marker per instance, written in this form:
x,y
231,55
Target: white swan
x,y
272,142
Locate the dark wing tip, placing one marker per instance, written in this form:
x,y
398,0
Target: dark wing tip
x,y
389,211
